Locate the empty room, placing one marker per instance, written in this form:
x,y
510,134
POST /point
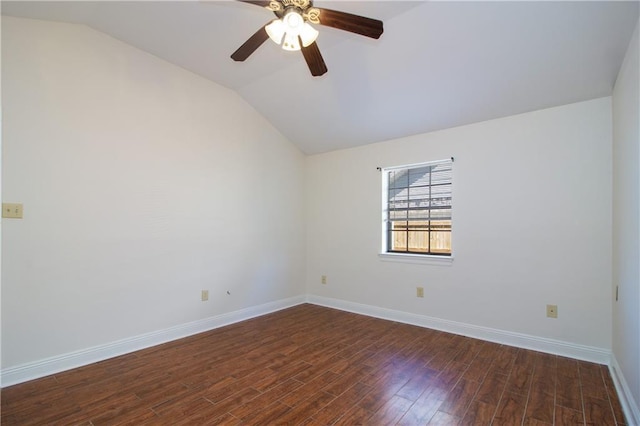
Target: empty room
x,y
313,213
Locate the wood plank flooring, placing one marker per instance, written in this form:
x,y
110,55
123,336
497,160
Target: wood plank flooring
x,y
310,365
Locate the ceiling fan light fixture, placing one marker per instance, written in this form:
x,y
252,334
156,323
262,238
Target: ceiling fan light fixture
x,y
291,29
293,21
291,42
286,31
275,30
308,34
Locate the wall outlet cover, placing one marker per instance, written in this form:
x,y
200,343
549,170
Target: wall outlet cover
x,y
12,210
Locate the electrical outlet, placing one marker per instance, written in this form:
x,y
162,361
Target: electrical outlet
x,y
12,210
205,295
419,291
323,279
552,311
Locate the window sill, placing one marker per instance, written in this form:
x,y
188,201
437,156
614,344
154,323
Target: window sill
x,y
416,258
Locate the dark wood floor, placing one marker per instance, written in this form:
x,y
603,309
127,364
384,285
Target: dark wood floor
x,y
310,365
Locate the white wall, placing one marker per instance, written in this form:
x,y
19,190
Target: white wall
x,y
531,226
142,185
626,221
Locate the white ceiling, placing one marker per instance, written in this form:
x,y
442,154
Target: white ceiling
x,y
437,65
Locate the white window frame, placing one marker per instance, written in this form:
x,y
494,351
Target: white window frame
x,y
410,257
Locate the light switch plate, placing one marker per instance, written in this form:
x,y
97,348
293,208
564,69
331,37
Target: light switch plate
x,y
12,210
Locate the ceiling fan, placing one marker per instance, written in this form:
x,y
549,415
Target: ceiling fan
x,y
292,29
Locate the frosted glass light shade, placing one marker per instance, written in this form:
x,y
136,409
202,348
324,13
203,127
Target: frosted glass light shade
x,y
285,31
293,22
275,30
308,34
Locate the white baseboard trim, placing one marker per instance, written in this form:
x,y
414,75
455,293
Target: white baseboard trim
x,y
53,365
34,370
525,341
629,405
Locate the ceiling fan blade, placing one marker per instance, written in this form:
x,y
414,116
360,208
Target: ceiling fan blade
x,y
314,59
353,23
250,45
263,3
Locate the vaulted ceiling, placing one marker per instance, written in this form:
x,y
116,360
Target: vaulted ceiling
x,y
438,64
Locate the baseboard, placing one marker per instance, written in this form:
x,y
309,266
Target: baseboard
x,y
556,347
629,405
34,370
42,368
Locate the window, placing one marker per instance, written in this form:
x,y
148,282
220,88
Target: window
x,y
417,209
